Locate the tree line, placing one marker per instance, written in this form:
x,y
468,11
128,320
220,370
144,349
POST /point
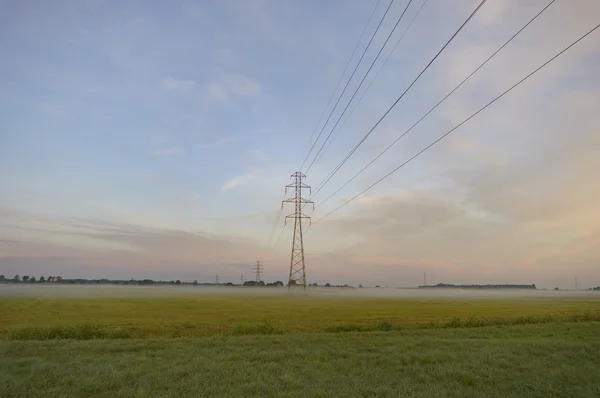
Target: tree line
x,y
451,286
31,279
105,281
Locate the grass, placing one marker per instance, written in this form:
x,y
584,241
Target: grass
x,y
544,360
299,346
198,316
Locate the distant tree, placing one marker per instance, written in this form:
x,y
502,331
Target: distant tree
x,y
42,279
25,278
261,283
278,283
376,285
556,288
32,279
17,278
359,285
58,278
178,282
2,278
327,285
230,284
195,283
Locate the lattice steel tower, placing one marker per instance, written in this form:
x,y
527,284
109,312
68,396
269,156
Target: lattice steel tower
x,y
297,265
258,270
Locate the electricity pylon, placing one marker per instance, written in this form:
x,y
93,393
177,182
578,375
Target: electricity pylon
x,y
258,269
297,265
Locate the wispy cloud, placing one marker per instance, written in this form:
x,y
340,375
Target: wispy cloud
x,y
166,152
233,86
172,84
240,180
82,247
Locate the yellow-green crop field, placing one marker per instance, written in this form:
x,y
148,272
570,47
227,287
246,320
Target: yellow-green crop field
x,y
235,345
203,315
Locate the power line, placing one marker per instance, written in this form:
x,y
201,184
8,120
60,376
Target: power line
x,y
461,123
348,82
335,170
279,237
380,68
439,103
359,86
274,228
340,80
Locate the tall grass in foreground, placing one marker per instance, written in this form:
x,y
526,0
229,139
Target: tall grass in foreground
x,y
98,331
545,360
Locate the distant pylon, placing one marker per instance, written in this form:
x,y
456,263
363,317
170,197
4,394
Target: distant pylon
x,y
297,266
242,279
258,270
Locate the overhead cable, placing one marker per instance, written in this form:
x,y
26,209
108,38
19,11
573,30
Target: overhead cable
x,y
378,71
335,170
340,80
359,86
438,104
460,124
347,83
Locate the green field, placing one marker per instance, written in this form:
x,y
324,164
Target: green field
x,y
220,345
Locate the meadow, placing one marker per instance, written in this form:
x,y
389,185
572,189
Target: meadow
x,y
303,345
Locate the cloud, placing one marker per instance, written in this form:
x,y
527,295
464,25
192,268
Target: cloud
x,y
166,152
172,84
217,93
83,247
494,11
231,87
527,216
240,180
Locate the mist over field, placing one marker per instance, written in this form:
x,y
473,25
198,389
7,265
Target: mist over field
x,y
118,291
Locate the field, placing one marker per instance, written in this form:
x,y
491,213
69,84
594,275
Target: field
x,y
222,344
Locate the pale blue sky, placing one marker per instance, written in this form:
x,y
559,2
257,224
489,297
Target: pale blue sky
x,y
190,116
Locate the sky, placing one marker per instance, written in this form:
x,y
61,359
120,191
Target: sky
x,y
149,139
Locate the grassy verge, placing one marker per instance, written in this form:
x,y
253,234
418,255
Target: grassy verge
x,y
36,319
546,360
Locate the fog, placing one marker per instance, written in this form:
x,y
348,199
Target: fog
x,y
120,291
